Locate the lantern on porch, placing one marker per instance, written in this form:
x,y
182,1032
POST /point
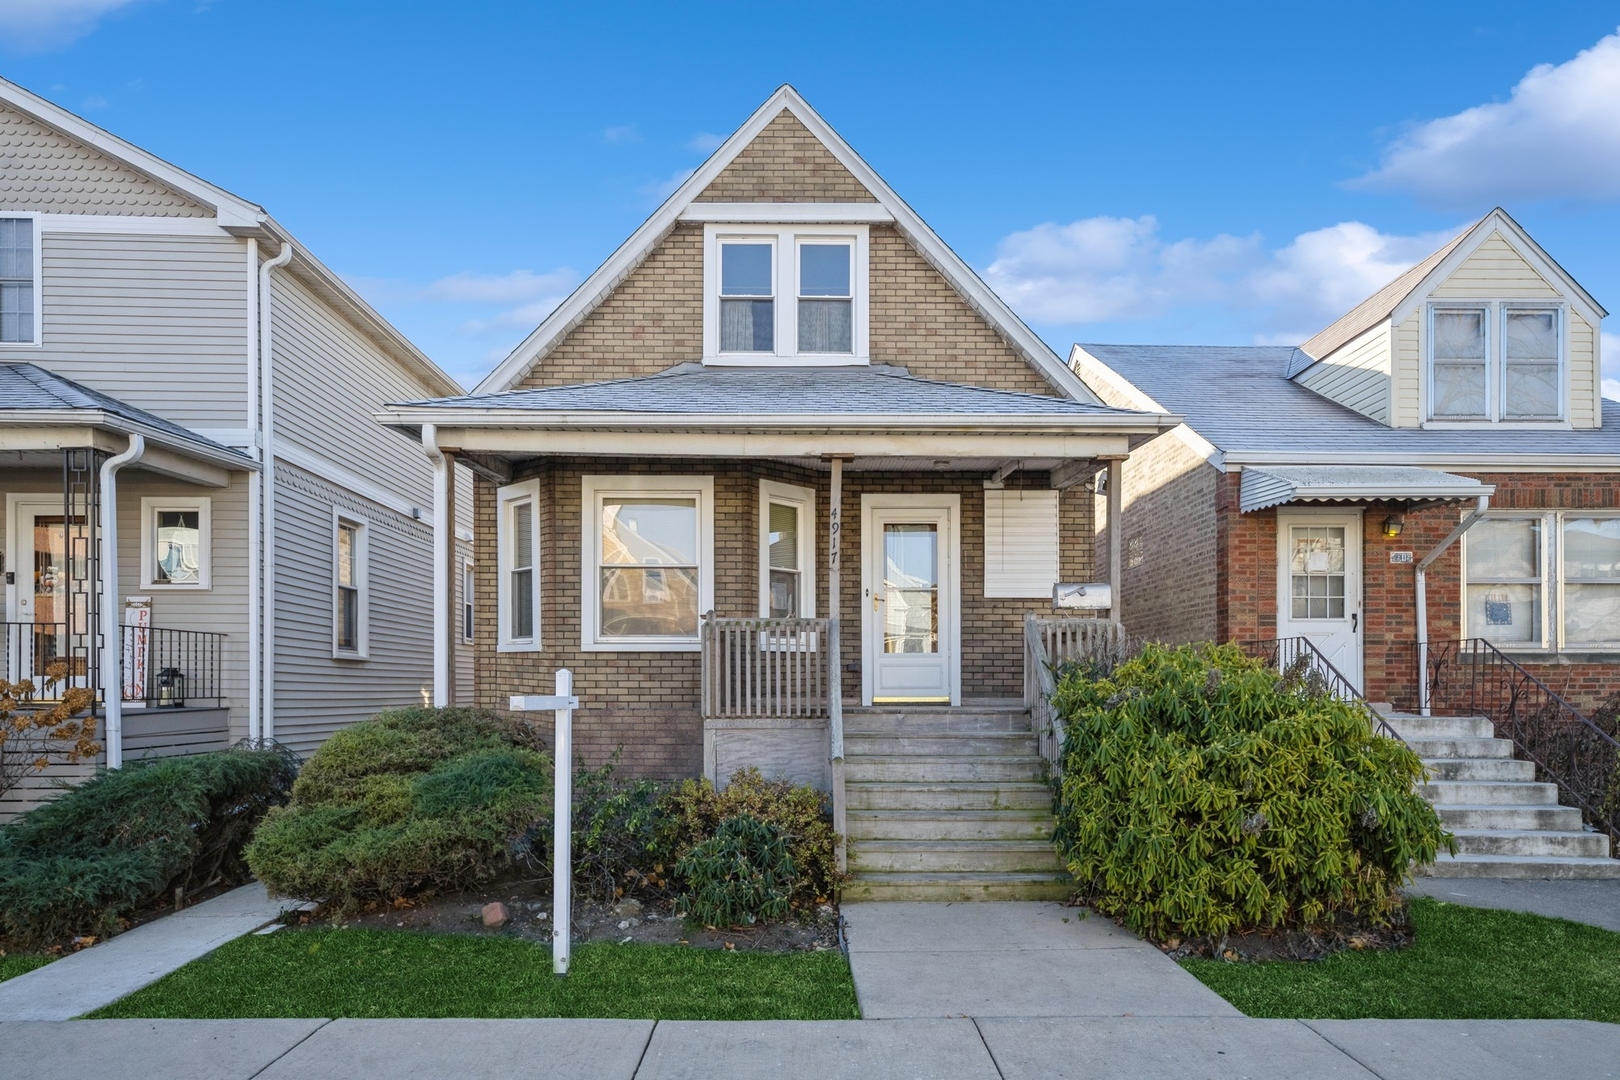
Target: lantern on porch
x,y
171,687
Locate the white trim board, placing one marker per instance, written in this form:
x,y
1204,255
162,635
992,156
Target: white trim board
x,y
334,473
641,243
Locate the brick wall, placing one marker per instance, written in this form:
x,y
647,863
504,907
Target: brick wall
x,y
1168,564
646,704
785,163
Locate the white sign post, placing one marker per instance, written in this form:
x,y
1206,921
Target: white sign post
x,y
563,703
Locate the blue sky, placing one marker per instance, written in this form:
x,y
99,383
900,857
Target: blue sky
x,y
1153,172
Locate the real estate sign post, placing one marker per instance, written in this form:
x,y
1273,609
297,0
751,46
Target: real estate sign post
x,y
563,703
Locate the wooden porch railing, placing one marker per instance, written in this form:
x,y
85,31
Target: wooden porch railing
x,y
779,669
1048,644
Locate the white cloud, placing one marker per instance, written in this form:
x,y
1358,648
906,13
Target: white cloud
x,y
705,142
500,288
1110,269
623,133
38,25
1609,345
1557,136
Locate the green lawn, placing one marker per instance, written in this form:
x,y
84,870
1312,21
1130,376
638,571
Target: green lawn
x,y
21,964
1465,964
385,973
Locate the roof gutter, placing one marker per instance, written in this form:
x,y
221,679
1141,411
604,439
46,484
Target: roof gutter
x,y
1423,598
443,526
112,651
267,500
1144,423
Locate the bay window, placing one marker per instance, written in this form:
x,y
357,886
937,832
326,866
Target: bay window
x,y
1544,580
787,584
648,543
1495,362
776,292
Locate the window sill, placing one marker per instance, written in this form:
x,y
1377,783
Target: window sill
x,y
515,646
691,646
171,586
21,344
780,360
351,657
1578,655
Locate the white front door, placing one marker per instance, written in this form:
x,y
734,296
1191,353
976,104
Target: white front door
x,y
1319,584
910,624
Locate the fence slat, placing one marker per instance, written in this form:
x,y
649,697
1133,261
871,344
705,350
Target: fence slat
x,y
765,668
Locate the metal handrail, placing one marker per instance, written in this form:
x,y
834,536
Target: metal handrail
x,y
160,666
1286,654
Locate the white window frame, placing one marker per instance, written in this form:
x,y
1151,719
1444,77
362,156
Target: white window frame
x,y
1553,638
39,283
508,500
1495,325
468,627
785,239
593,489
362,541
802,499
150,506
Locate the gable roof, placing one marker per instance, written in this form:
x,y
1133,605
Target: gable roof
x,y
572,311
1240,399
239,217
30,394
1384,303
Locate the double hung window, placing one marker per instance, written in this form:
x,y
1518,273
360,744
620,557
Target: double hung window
x,y
778,292
349,588
1544,580
649,546
518,546
19,281
787,551
1495,362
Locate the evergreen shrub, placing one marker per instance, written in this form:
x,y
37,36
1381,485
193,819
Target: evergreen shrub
x,y
741,875
413,799
1203,794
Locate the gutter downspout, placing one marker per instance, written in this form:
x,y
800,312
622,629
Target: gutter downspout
x,y
112,648
267,494
255,492
1423,599
443,523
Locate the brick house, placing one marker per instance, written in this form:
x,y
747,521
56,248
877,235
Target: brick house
x,y
1308,485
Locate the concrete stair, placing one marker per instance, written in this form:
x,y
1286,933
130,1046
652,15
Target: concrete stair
x,y
948,804
1507,824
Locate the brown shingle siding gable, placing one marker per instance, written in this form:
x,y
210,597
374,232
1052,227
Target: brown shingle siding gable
x,y
785,163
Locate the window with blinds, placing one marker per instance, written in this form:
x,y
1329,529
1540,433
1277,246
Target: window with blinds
x,y
1020,543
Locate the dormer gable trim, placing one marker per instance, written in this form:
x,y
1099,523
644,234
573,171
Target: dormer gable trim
x,y
808,213
641,243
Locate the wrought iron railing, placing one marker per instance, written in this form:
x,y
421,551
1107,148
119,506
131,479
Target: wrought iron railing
x,y
161,667
1472,677
1048,645
1299,656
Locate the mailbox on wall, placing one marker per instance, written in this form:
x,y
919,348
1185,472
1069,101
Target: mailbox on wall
x,y
1083,596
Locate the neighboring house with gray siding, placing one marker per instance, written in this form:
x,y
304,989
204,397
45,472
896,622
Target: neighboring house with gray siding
x,y
271,562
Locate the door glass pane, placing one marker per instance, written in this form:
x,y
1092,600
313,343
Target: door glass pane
x,y
50,593
1504,548
1317,572
1505,613
649,531
910,588
179,547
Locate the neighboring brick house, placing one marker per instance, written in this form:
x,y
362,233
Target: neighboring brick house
x,y
783,334
1307,484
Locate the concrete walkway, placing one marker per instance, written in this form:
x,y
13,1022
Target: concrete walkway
x,y
101,974
1596,903
1012,959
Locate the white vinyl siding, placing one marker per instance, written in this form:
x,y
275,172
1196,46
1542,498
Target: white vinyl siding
x,y
1358,374
1020,543
520,551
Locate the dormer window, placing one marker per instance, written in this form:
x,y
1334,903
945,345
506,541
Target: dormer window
x,y
1495,362
785,293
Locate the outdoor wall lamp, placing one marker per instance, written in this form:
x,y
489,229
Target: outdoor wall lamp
x,y
1393,525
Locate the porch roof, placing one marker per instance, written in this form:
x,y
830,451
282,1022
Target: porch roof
x,y
40,410
1273,485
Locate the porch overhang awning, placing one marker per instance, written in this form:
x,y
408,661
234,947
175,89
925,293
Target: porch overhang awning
x,y
1276,485
869,414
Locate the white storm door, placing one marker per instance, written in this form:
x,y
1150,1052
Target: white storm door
x,y
39,612
909,599
1319,585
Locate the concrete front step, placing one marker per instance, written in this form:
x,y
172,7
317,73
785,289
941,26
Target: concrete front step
x,y
1537,842
1441,727
959,887
954,856
1511,769
941,744
1488,793
1521,866
867,825
950,796
950,768
1461,747
1552,818
990,723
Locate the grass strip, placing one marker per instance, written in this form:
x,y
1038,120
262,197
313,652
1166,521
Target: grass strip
x,y
388,973
21,964
1464,964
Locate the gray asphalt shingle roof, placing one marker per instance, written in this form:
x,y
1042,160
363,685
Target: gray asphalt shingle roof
x,y
29,387
1237,397
693,388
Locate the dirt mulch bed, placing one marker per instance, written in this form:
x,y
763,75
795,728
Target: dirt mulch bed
x,y
1260,945
528,908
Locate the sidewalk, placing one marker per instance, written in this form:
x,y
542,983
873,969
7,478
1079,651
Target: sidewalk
x,y
1596,903
101,974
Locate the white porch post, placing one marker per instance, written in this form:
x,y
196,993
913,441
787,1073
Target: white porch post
x,y
112,650
1116,530
835,658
